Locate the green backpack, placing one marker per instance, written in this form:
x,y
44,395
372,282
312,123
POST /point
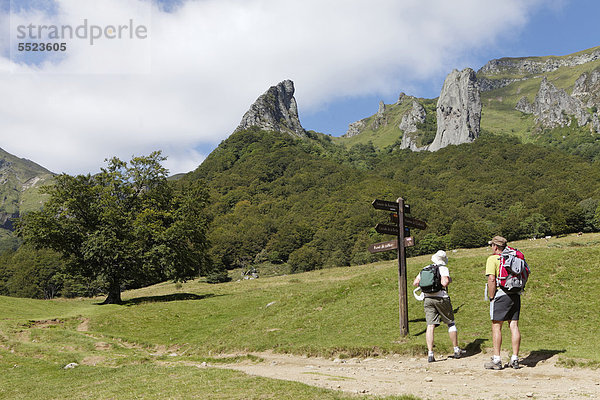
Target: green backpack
x,y
431,280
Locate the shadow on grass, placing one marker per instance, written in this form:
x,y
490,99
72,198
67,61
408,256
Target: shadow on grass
x,y
457,309
419,320
474,347
166,298
537,356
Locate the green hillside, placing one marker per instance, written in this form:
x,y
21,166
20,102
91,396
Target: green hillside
x,y
149,347
20,182
305,204
500,116
388,133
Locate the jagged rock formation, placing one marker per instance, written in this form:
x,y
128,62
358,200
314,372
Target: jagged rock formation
x,y
587,88
379,120
553,107
527,66
401,97
486,85
412,118
355,128
458,110
595,124
537,65
409,142
380,117
275,110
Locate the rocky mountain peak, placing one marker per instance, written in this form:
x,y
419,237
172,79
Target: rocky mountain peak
x,y
275,110
458,110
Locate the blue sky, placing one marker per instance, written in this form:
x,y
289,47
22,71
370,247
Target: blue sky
x,y
185,87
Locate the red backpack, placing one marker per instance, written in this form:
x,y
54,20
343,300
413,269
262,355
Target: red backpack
x,y
514,271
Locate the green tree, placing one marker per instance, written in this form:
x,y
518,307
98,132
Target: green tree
x,y
305,258
588,209
34,273
535,226
126,225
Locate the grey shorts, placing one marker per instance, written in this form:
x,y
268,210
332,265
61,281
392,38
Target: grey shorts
x,y
438,309
505,308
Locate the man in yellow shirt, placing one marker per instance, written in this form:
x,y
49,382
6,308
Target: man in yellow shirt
x,y
503,307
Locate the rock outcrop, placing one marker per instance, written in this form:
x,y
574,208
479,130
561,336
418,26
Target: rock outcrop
x,y
458,110
486,84
380,117
401,98
553,107
275,110
377,121
587,88
409,142
355,128
537,65
412,118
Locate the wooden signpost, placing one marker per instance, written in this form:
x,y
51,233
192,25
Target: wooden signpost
x,y
399,229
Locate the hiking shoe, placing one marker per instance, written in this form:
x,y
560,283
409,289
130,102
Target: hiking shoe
x,y
493,365
514,364
430,359
459,353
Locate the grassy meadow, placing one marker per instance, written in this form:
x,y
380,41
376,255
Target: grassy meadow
x,y
149,346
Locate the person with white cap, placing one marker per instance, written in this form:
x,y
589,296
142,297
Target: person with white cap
x,y
438,307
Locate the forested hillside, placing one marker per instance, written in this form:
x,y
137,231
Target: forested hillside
x,y
307,202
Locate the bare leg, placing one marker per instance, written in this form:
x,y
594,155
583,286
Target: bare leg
x,y
454,338
515,334
497,336
429,337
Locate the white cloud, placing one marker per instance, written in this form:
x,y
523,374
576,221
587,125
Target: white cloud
x,y
204,63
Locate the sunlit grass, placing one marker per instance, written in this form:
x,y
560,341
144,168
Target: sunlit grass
x,y
150,346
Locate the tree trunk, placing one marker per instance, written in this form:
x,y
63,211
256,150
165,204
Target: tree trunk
x,y
114,294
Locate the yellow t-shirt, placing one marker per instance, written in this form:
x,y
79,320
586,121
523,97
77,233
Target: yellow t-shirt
x,y
492,265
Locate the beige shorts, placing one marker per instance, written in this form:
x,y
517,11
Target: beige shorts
x,y
438,309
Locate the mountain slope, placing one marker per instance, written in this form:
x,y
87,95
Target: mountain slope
x,y
552,101
20,182
307,202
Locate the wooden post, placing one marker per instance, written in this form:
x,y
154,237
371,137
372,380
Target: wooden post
x,y
402,279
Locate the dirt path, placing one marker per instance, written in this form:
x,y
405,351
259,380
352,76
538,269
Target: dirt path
x,y
447,378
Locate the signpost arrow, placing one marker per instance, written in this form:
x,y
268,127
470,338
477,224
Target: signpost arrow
x,y
387,229
415,223
385,205
383,246
391,245
389,206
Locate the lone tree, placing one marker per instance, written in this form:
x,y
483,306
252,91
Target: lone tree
x,y
127,225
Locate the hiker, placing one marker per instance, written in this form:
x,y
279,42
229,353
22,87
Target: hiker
x,y
437,304
504,306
